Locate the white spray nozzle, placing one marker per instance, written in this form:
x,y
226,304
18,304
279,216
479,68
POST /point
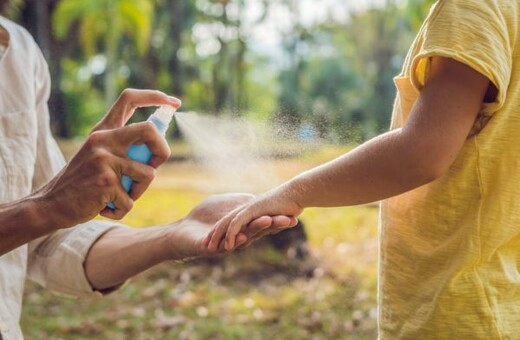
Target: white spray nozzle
x,y
164,114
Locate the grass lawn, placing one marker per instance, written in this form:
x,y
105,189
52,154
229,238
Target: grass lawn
x,y
257,293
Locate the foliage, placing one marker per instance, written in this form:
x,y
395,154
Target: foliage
x,y
107,21
259,58
416,11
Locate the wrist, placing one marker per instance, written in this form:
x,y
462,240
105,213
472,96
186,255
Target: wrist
x,y
181,247
294,191
51,213
161,243
21,221
40,215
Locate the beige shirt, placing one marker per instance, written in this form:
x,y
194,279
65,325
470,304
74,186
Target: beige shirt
x,y
29,157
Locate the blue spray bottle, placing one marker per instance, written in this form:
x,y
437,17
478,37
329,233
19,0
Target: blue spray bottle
x,y
161,118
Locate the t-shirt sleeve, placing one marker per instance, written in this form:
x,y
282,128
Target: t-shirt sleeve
x,y
473,32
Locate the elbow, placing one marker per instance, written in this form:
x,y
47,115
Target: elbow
x,y
432,175
428,159
431,168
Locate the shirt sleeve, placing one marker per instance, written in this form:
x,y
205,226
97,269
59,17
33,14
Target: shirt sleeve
x,y
57,261
475,33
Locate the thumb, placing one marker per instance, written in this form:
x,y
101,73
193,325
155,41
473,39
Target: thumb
x,y
129,101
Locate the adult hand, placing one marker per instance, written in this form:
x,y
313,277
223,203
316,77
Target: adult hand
x,y
228,231
187,236
92,178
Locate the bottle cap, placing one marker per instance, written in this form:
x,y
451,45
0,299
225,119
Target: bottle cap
x,y
161,118
164,114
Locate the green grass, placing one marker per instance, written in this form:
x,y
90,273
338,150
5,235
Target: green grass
x,y
258,293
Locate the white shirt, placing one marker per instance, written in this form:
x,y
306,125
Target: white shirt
x,y
30,157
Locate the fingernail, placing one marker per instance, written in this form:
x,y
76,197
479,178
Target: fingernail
x,y
176,101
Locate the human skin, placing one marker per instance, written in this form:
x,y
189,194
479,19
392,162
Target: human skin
x,y
390,164
92,177
124,252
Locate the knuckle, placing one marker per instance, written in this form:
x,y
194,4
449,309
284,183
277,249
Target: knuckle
x,y
162,156
149,174
107,179
100,156
129,204
149,130
236,222
159,93
94,139
167,152
127,97
126,94
118,215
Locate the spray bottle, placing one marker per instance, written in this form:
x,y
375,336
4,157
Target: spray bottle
x,y
161,118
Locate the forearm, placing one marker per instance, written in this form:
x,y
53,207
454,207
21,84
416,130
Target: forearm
x,y
23,221
380,168
124,252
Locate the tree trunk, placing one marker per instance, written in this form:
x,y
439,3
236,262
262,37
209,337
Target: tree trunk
x,y
111,42
176,27
36,17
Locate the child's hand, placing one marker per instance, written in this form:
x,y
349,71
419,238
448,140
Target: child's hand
x,y
235,223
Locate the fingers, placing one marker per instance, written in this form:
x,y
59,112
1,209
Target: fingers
x,y
254,230
140,173
235,226
129,101
241,240
265,225
213,239
282,221
139,133
259,224
217,239
123,203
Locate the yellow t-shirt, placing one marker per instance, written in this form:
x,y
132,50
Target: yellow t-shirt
x,y
450,250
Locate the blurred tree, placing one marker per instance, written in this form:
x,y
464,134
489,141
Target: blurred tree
x,y
416,11
223,39
328,72
178,17
296,40
339,73
165,66
107,21
35,15
377,34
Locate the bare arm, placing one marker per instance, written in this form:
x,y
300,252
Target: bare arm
x,y
122,253
388,165
406,158
23,221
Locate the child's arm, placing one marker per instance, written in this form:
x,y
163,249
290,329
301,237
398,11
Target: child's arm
x,y
387,165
